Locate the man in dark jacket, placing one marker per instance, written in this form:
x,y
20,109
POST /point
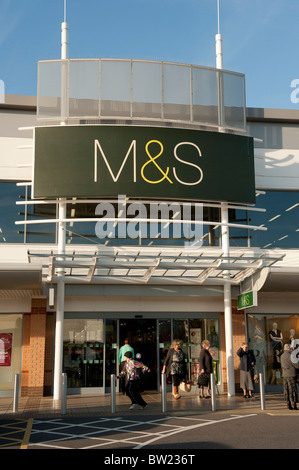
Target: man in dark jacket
x,y
289,374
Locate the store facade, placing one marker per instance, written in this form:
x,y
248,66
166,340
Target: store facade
x,y
136,283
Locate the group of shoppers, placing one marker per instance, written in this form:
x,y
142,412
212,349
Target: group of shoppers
x,y
289,373
175,367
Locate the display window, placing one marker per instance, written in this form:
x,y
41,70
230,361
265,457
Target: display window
x,y
10,351
267,336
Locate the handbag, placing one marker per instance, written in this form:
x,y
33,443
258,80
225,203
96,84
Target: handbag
x,y
185,386
203,380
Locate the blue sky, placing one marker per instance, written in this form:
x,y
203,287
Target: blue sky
x,y
260,38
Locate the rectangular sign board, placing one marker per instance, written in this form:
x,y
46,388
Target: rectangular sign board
x,y
248,299
105,161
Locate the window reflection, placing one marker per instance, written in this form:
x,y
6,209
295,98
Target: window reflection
x,y
281,219
267,335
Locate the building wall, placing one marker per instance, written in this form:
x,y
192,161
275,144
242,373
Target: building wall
x,y
238,320
34,350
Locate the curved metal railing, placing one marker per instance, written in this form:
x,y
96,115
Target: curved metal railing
x,y
93,89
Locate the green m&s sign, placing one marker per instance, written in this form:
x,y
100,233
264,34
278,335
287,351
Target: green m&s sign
x,y
248,299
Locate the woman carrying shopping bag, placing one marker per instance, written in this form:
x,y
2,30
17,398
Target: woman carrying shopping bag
x,y
175,366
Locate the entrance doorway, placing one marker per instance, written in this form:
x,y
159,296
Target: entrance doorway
x,y
142,335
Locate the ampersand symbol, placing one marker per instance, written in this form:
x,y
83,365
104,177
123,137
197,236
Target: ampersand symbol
x,y
152,160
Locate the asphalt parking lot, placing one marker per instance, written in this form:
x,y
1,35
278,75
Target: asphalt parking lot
x,y
177,433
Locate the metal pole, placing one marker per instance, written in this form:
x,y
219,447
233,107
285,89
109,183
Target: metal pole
x,y
16,394
163,391
61,235
225,243
213,391
262,391
112,393
64,390
58,340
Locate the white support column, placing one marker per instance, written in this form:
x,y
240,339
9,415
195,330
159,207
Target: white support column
x,y
227,299
227,308
58,341
61,236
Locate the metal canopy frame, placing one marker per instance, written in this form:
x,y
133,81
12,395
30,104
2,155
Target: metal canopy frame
x,y
145,268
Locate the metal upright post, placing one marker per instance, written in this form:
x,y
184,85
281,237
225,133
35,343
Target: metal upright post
x,y
262,391
64,392
16,394
213,391
112,393
61,235
163,392
225,239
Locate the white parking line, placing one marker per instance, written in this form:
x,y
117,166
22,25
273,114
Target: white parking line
x,y
188,428
62,431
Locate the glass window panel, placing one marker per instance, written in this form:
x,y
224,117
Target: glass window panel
x,y
281,219
51,85
40,233
239,236
233,100
9,213
164,343
84,88
83,352
146,89
176,92
264,339
111,351
205,95
78,233
115,88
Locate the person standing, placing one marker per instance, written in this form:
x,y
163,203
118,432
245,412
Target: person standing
x,y
130,371
247,362
205,367
175,366
289,375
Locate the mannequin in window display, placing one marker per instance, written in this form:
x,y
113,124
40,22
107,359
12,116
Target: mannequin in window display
x,y
293,342
213,337
276,338
259,345
276,348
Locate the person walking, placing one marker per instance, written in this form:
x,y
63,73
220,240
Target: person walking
x,y
121,360
289,375
130,371
247,362
205,367
175,366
